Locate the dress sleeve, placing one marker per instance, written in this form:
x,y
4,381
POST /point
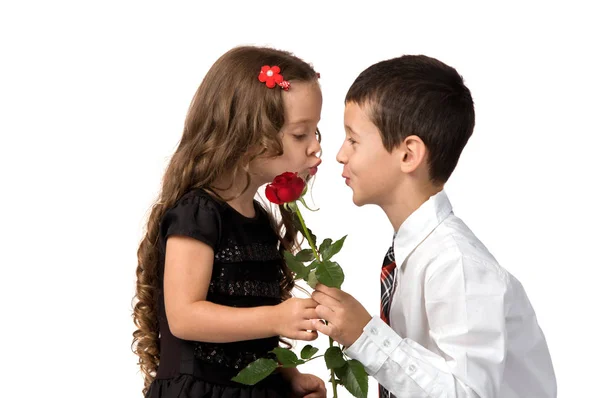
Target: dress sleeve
x,y
193,216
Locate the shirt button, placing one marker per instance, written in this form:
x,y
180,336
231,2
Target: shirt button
x,y
412,369
386,343
374,331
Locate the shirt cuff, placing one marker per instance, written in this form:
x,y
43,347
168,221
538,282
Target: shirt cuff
x,y
375,345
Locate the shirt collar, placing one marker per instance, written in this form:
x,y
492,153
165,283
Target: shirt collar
x,y
420,224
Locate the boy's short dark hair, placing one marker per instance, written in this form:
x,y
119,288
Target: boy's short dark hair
x,y
418,95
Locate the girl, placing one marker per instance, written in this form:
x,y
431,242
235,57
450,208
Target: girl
x,y
213,292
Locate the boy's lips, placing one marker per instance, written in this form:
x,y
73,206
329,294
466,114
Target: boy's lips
x,y
346,178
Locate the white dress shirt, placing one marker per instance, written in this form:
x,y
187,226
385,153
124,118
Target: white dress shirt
x,y
460,325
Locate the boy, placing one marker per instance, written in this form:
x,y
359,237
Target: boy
x,y
453,323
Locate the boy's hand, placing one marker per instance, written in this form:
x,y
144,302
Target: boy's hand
x,y
346,317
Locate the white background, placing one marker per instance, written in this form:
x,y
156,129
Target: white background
x,y
92,101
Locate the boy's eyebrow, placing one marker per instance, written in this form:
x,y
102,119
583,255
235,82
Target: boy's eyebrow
x,y
348,128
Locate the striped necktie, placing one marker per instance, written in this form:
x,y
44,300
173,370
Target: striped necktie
x,y
387,284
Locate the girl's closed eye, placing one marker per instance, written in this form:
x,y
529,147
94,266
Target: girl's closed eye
x,y
304,136
351,140
300,137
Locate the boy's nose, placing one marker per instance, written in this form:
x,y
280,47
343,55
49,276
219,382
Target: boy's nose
x,y
341,156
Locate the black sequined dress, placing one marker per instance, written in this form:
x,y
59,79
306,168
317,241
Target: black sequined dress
x,y
246,273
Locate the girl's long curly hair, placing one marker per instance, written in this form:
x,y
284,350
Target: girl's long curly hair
x,y
232,119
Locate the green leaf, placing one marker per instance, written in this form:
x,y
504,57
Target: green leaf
x,y
340,372
312,279
313,237
308,351
330,274
334,358
355,379
324,245
287,358
334,249
256,371
297,267
313,265
305,255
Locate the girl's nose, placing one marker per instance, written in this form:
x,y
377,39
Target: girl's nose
x,y
315,146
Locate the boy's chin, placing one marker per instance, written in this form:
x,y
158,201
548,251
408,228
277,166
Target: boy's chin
x,y
361,200
358,200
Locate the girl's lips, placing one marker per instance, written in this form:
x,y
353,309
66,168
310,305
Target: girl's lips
x,y
313,170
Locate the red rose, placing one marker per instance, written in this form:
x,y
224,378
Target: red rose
x,y
285,188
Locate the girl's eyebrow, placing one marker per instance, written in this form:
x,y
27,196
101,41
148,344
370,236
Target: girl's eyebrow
x,y
302,121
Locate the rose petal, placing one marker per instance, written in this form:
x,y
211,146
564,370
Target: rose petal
x,y
286,194
272,195
298,186
288,175
280,180
286,187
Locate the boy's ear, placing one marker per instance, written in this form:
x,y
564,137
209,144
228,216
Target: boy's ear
x,y
412,153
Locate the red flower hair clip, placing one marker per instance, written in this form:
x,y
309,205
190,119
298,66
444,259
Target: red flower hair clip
x,y
270,76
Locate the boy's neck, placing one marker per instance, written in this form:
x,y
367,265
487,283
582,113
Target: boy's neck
x,y
403,205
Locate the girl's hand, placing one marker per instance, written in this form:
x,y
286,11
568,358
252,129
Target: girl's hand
x,y
292,319
308,386
304,385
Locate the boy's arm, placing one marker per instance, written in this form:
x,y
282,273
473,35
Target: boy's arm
x,y
401,365
467,324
